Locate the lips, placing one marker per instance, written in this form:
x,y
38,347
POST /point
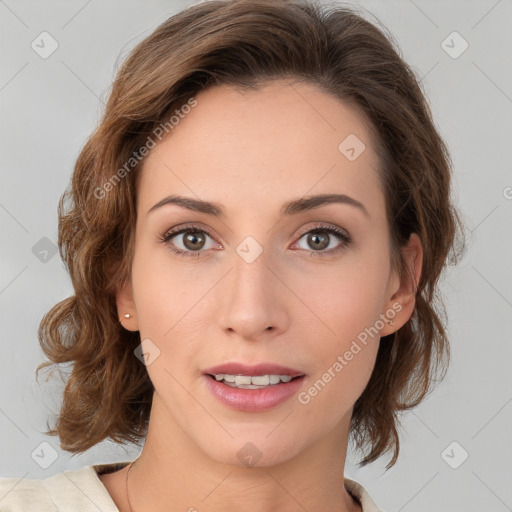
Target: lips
x,y
229,384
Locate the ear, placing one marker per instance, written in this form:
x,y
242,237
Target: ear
x,y
126,306
400,305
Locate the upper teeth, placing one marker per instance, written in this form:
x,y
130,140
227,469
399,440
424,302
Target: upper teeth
x,y
256,380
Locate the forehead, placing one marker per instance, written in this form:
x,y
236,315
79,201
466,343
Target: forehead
x,y
247,148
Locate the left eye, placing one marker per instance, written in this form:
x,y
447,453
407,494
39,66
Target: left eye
x,y
320,238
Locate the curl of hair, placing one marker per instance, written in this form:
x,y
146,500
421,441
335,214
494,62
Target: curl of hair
x,y
245,44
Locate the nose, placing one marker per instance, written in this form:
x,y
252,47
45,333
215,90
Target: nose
x,y
252,301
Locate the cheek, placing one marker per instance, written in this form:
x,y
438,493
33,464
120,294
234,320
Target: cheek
x,y
343,340
343,356
174,311
344,299
163,293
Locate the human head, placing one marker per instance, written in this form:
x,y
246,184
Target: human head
x,y
109,392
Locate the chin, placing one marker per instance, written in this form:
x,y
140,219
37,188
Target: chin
x,y
253,451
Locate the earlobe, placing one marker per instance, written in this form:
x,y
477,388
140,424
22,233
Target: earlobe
x,y
400,307
126,307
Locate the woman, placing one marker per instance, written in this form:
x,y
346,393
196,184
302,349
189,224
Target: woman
x,y
255,233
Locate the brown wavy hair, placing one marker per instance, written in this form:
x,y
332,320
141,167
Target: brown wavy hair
x,y
242,43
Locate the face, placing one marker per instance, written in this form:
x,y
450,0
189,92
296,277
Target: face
x,y
252,284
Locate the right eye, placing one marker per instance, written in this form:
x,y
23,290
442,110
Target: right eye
x,y
191,244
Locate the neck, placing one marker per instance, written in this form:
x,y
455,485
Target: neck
x,y
173,469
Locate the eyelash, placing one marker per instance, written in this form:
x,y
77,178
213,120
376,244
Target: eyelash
x,y
340,234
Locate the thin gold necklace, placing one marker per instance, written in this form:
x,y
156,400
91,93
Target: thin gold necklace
x,y
127,493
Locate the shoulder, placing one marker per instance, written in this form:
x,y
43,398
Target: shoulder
x,y
78,489
361,494
18,494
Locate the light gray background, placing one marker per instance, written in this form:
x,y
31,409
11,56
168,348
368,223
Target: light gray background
x,y
49,107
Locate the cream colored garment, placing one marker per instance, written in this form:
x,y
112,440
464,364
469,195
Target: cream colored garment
x,y
82,491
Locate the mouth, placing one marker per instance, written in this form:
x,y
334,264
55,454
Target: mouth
x,y
253,388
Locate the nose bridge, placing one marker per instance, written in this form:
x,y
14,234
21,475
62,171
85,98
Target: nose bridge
x,y
251,296
250,276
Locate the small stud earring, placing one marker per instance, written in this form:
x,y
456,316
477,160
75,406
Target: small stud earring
x,y
127,315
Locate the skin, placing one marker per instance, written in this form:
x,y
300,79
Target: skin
x,y
252,152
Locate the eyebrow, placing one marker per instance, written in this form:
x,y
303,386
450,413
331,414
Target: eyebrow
x,y
289,208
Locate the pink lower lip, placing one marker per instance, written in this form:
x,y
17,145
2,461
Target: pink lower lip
x,y
253,400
